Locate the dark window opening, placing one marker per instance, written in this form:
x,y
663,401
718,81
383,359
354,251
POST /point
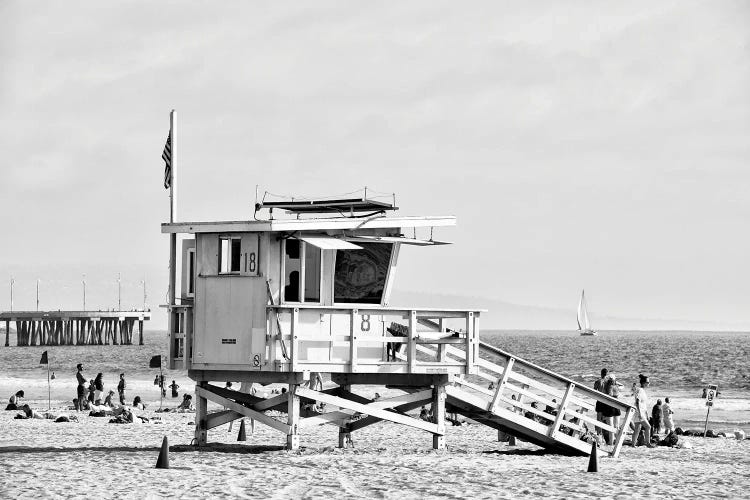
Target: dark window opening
x,y
360,274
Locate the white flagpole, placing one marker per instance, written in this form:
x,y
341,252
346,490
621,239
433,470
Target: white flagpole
x,y
49,390
172,236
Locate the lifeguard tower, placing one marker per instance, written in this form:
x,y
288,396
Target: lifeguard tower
x,y
281,299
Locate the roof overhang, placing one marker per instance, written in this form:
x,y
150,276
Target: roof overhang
x,y
323,224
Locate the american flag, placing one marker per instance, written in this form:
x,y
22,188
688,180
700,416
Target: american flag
x,y
167,157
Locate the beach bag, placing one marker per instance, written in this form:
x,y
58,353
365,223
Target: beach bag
x,y
62,418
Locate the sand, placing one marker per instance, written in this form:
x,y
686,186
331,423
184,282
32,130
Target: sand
x,y
102,460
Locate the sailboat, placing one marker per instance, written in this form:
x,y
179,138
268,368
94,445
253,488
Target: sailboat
x,y
583,317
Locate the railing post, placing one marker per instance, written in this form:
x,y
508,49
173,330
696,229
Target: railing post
x,y
411,347
188,354
352,341
624,424
469,342
561,411
442,348
294,343
501,385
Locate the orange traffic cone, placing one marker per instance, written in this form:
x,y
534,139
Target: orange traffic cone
x,y
163,461
593,459
241,436
512,441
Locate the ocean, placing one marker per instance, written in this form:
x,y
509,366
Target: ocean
x,y
679,363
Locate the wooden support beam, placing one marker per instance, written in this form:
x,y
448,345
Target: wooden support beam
x,y
352,342
292,438
438,416
207,393
7,333
367,410
345,431
140,332
201,412
411,356
220,418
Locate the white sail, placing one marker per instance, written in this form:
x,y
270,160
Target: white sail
x,y
583,317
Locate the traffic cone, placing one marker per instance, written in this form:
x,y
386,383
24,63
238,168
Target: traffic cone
x,y
241,436
163,461
593,459
512,441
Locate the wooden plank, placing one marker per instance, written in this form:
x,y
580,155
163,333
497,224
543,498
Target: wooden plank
x,y
337,418
294,347
220,418
293,417
365,409
438,415
244,410
624,425
501,384
369,420
561,410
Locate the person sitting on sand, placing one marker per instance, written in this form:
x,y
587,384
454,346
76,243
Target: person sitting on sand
x,y
138,404
187,403
14,402
641,412
108,399
666,413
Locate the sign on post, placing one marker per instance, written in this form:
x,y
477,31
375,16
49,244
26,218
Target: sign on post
x,y
710,395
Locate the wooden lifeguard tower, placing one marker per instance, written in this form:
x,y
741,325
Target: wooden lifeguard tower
x,y
280,300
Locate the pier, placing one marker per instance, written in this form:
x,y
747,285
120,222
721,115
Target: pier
x,y
41,328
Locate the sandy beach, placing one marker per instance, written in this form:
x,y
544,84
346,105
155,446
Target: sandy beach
x,y
53,460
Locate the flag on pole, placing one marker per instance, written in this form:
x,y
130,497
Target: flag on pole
x,y
44,361
167,157
155,362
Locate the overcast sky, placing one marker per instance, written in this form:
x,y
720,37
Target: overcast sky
x,y
598,145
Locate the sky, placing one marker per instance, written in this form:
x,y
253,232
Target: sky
x,y
597,145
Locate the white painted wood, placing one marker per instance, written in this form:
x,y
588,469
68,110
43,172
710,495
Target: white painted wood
x,y
228,403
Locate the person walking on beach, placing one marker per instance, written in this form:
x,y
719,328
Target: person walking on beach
x,y
641,412
121,389
98,388
666,413
81,391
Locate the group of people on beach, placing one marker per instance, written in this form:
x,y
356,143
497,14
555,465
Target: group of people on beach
x,y
648,421
87,396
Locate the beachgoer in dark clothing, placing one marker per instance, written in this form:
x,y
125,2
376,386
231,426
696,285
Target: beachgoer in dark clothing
x,y
14,402
600,407
91,391
81,390
98,388
174,388
108,399
656,417
121,388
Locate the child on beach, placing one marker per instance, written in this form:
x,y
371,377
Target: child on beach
x,y
138,404
98,388
108,399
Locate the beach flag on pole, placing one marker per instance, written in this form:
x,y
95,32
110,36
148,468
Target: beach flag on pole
x,y
167,157
45,361
155,362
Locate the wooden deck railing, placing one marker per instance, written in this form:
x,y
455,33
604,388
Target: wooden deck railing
x,y
423,327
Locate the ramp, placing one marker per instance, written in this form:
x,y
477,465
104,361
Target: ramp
x,y
532,403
